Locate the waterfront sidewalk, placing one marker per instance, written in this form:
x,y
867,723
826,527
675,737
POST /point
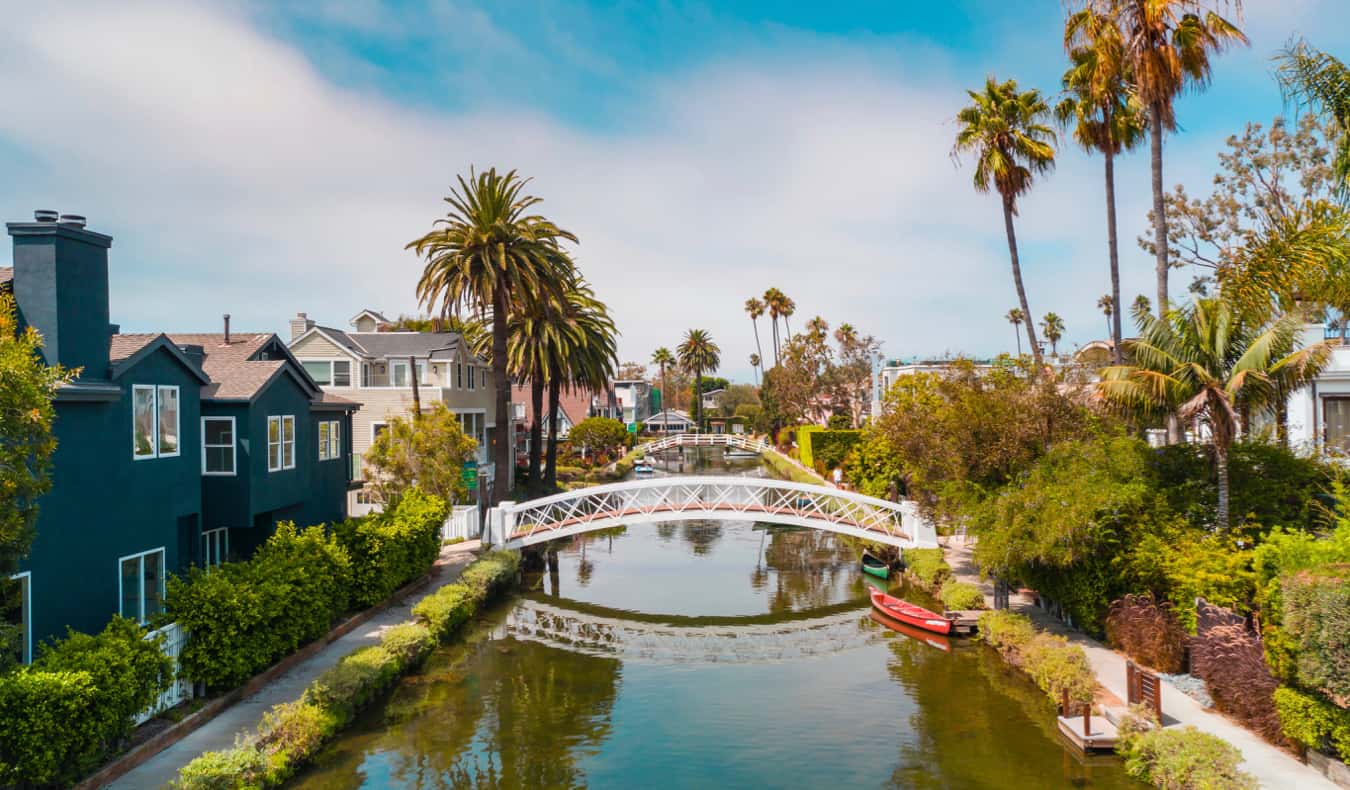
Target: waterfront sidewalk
x,y
243,717
1273,767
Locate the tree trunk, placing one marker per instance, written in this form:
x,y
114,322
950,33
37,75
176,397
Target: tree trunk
x,y
1282,419
537,434
759,352
1017,280
554,390
1113,247
665,391
698,400
1017,335
1221,462
774,321
501,436
416,395
1160,233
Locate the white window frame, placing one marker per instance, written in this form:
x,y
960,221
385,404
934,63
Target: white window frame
x,y
140,580
459,375
276,451
376,424
287,419
154,421
222,546
177,419
471,378
234,448
25,580
331,362
333,449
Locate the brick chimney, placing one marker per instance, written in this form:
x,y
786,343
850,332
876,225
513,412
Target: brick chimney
x,y
300,325
61,289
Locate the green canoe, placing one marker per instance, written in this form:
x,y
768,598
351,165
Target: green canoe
x,y
875,567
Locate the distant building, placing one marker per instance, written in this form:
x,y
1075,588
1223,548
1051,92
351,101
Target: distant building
x,y
668,421
634,398
574,405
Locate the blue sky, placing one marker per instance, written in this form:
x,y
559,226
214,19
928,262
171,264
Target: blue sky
x,y
268,157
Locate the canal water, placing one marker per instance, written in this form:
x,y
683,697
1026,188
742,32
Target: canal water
x,y
707,654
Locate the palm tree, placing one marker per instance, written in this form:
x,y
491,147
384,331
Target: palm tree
x,y
1105,116
1005,129
485,255
1142,304
663,359
1053,327
1015,317
754,365
755,308
774,300
587,365
1317,80
699,354
1167,46
1209,362
1107,304
786,310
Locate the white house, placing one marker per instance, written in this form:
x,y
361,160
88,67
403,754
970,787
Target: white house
x,y
668,421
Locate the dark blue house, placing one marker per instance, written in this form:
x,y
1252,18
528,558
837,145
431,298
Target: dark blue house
x,y
162,443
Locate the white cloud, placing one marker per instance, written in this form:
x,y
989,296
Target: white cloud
x,y
237,179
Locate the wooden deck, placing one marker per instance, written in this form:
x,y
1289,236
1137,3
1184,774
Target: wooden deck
x,y
965,622
1101,736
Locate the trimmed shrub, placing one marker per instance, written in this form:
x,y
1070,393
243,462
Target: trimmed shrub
x,y
961,595
1317,618
826,448
291,733
1229,658
1183,759
1006,632
47,733
1313,722
243,767
407,641
1148,632
444,610
243,616
928,566
1051,661
390,549
492,572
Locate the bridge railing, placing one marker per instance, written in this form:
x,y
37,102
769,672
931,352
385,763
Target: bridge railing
x,y
736,440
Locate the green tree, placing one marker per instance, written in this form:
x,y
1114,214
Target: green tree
x,y
598,433
489,254
26,446
588,363
429,452
1005,129
699,354
1317,80
1167,47
1105,116
776,302
1209,363
851,376
737,395
1053,327
663,359
1015,317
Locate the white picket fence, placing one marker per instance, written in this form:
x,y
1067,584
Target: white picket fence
x,y
180,690
462,523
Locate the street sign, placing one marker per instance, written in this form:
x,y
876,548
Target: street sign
x,y
469,474
632,427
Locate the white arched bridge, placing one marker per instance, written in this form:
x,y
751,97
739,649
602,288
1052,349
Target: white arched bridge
x,y
515,525
735,441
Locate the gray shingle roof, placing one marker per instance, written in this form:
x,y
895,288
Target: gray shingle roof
x,y
381,345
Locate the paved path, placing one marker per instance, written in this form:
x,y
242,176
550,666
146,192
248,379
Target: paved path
x,y
1273,767
244,716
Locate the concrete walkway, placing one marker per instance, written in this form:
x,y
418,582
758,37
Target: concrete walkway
x,y
1273,767
243,717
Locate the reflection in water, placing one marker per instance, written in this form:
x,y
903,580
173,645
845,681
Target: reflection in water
x,y
706,655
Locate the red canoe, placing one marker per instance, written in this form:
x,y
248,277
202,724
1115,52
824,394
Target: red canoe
x,y
910,614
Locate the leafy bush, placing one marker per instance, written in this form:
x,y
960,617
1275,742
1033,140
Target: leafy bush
x,y
445,609
961,595
242,616
1317,618
492,572
1006,632
428,453
598,433
390,549
1148,632
1184,565
291,733
1183,759
1229,658
928,566
407,641
1313,722
873,467
65,714
1051,661
240,768
827,448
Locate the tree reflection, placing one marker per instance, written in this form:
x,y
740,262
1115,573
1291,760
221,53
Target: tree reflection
x,y
808,565
701,536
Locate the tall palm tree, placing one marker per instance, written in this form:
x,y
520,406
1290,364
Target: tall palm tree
x,y
1104,114
788,308
487,253
1015,317
588,365
1209,362
1320,81
1167,47
754,365
755,308
774,301
1006,131
1107,304
699,354
1053,327
663,359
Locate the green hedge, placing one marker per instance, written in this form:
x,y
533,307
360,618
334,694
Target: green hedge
x,y
827,446
243,616
1313,722
70,710
1183,758
928,566
390,549
292,733
1051,661
958,596
1317,618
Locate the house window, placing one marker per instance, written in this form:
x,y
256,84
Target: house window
x,y
377,428
471,379
330,440
329,372
215,546
342,373
218,446
482,372
154,421
18,611
280,442
459,375
140,583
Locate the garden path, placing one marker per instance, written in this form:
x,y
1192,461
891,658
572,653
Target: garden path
x,y
1273,767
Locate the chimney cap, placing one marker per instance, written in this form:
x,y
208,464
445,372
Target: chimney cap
x,y
74,220
45,215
